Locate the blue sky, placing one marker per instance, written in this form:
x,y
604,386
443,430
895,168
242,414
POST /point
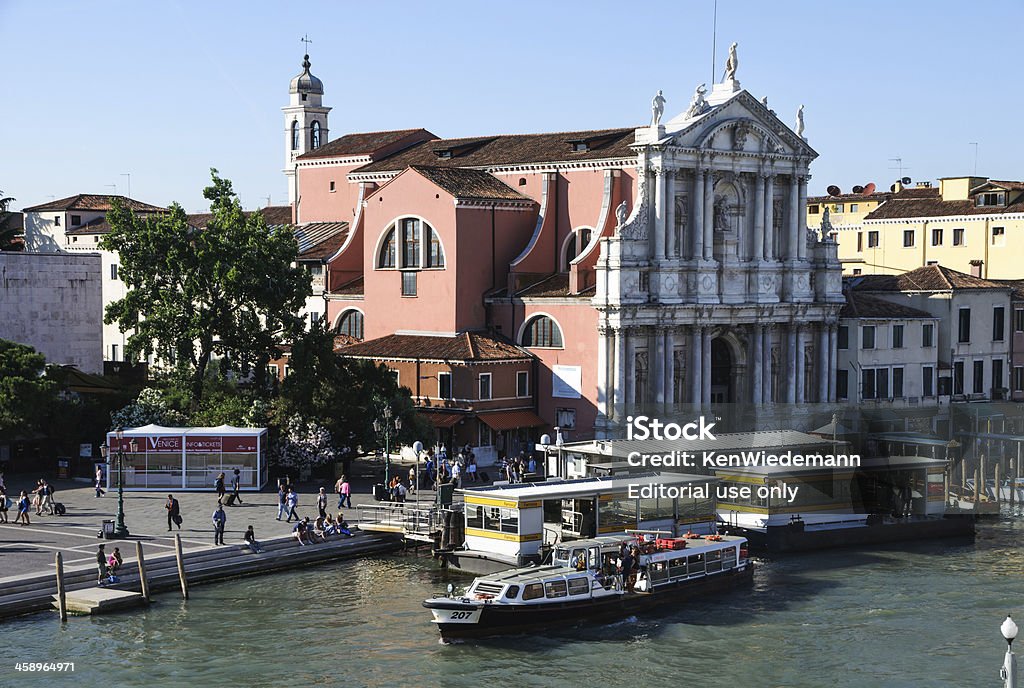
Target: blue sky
x,y
164,91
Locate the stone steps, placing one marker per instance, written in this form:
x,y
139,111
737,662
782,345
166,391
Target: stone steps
x,y
35,593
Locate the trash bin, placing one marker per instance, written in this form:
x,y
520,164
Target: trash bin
x,y
445,492
379,493
107,532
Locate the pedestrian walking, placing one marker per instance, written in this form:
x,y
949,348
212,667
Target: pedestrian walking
x,y
46,498
236,485
471,467
3,504
346,493
321,503
250,539
23,507
101,565
218,485
173,512
99,482
291,501
282,501
220,519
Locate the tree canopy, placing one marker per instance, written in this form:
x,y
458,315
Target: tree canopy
x,y
229,290
26,394
10,232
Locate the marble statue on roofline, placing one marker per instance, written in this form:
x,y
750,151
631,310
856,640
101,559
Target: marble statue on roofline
x,y
800,121
657,108
698,105
621,213
731,64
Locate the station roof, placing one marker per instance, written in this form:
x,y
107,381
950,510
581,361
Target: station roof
x,y
581,487
151,429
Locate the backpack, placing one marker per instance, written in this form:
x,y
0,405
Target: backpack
x,y
59,509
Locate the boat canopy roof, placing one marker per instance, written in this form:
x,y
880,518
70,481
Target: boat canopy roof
x,y
584,487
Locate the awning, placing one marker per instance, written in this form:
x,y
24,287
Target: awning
x,y
442,420
510,420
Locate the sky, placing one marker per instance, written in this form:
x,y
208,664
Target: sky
x,y
97,91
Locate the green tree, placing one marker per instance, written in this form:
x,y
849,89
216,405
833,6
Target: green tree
x,y
9,230
344,395
229,290
26,394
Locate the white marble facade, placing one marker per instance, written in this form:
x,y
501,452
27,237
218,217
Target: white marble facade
x,y
713,289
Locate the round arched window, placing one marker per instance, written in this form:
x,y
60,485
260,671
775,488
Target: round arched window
x,y
542,331
351,324
409,244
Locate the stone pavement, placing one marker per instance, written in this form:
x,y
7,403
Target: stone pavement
x,y
30,549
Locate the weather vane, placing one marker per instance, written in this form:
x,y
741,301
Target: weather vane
x,y
305,39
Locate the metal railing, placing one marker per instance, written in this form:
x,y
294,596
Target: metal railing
x,y
408,518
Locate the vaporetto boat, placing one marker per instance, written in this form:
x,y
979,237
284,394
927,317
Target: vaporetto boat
x,y
585,582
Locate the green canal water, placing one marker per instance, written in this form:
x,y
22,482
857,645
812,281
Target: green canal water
x,y
920,615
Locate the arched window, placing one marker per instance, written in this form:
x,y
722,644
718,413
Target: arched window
x,y
411,244
295,135
314,136
542,331
576,242
387,251
351,323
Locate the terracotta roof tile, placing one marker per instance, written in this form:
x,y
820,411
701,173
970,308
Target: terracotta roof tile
x,y
1016,285
351,288
95,202
366,143
928,203
467,346
864,306
879,196
510,149
553,286
319,240
470,184
928,278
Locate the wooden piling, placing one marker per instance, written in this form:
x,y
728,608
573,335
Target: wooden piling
x,y
998,487
181,565
981,468
62,603
142,570
976,485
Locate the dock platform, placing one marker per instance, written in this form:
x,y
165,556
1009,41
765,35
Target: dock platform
x,y
100,600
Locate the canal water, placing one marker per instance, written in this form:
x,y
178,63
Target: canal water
x,y
911,615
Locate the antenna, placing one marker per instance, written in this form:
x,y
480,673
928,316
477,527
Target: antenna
x,y
129,175
111,186
899,165
714,39
975,144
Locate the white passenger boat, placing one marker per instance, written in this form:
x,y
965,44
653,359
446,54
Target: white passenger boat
x,y
582,583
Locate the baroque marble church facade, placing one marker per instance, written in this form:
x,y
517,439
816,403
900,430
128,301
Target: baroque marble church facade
x,y
712,289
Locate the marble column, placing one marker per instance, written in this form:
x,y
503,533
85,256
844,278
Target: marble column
x,y
801,233
709,214
657,365
659,214
696,364
801,369
790,367
670,215
758,218
630,369
769,217
766,365
705,372
757,341
697,223
670,369
619,384
823,357
603,391
793,225
833,355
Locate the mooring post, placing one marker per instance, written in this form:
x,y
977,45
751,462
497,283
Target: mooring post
x,y
62,603
976,487
142,570
181,565
998,487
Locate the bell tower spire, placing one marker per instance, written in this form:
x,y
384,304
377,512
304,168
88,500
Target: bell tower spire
x,y
305,121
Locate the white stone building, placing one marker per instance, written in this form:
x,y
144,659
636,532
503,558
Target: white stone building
x,y
888,354
974,333
713,289
74,225
52,301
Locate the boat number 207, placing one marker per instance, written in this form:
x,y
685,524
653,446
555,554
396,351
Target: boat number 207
x,y
461,615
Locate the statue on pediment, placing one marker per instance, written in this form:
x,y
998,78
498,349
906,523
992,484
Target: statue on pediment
x,y
800,122
621,213
731,64
657,108
698,104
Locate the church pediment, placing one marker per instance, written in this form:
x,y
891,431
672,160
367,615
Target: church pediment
x,y
740,124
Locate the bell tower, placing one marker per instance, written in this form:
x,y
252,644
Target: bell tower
x,y
305,122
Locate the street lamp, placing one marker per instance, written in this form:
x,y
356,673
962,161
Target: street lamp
x,y
1009,671
385,425
120,529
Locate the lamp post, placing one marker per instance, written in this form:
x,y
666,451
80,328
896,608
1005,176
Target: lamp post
x,y
120,529
1009,670
385,425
